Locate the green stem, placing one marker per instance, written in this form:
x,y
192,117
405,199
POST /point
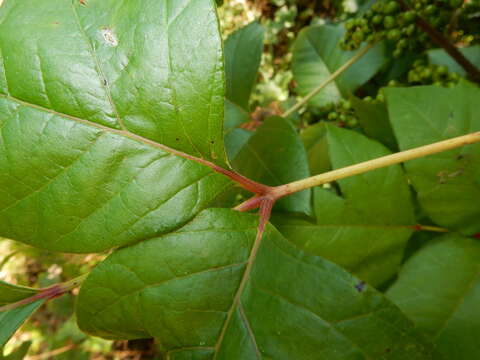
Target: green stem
x,y
287,189
327,81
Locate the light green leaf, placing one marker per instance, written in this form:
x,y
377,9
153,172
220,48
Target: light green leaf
x,y
12,293
373,118
440,57
367,227
11,320
317,54
179,288
315,141
84,99
243,51
275,155
439,289
448,183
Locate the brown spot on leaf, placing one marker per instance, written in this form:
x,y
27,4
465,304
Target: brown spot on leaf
x,y
83,2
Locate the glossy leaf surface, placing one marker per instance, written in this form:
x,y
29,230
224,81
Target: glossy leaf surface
x,y
364,229
448,183
180,289
83,95
439,289
317,54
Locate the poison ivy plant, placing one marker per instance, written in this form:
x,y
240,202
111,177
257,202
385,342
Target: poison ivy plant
x,y
112,139
203,299
317,54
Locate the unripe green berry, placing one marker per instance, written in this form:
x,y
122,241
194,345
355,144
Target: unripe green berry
x,y
342,117
332,116
393,34
358,37
442,70
377,19
397,53
430,9
410,29
391,7
389,22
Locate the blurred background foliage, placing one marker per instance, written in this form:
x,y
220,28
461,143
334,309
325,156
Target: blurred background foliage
x,y
277,24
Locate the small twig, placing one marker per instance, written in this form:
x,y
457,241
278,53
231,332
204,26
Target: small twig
x,y
51,354
327,81
438,38
274,193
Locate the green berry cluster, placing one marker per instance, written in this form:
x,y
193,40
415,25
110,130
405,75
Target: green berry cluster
x,y
342,113
428,74
387,20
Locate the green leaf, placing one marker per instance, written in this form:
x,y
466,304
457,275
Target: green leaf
x,y
180,289
12,293
373,118
440,57
448,183
84,98
439,289
11,320
235,137
317,54
275,155
88,61
243,51
367,227
315,141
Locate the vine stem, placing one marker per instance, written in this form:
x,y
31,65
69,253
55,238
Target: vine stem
x,y
438,38
272,194
328,80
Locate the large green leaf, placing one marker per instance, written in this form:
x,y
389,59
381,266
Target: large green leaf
x,y
448,183
12,293
367,227
11,320
317,54
373,118
314,139
439,289
275,155
243,51
86,92
180,288
235,137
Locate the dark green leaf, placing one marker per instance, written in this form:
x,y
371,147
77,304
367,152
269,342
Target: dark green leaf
x,y
373,118
180,289
275,155
317,54
439,289
243,51
448,183
315,141
235,137
11,320
12,293
82,95
440,57
367,227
